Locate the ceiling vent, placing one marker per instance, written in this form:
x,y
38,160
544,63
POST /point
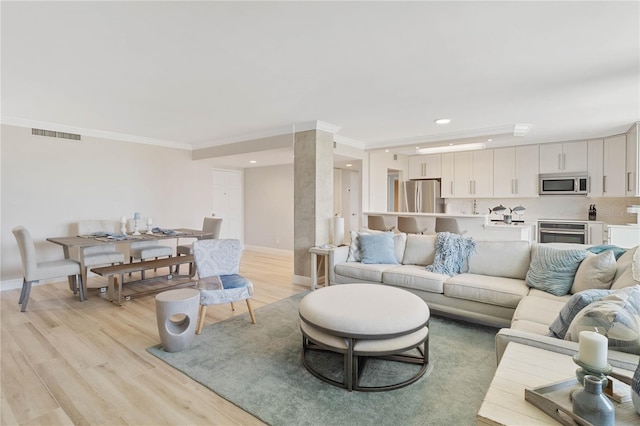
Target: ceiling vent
x,y
53,134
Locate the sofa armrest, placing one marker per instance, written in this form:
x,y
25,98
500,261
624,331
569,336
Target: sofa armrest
x,y
616,358
337,255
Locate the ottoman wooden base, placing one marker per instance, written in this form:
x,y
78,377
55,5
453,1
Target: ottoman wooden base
x,y
357,352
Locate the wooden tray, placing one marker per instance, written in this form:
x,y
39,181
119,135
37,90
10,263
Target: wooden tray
x,y
555,400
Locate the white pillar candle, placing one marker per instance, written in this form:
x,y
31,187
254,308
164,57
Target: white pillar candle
x,y
123,219
593,349
149,222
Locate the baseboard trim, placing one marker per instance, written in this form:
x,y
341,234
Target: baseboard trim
x,y
269,250
301,280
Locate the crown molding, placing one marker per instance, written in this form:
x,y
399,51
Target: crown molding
x,y
21,122
275,131
344,140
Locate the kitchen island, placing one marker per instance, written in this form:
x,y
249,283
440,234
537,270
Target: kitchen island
x,y
478,226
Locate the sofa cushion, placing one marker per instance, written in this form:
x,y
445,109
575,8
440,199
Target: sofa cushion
x,y
543,294
541,310
558,328
420,249
415,277
552,269
486,289
362,271
617,316
378,248
508,259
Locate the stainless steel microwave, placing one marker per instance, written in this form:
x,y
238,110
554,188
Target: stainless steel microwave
x,y
564,184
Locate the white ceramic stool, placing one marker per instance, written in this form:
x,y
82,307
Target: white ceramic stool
x,y
177,334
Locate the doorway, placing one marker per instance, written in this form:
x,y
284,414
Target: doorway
x,y
228,204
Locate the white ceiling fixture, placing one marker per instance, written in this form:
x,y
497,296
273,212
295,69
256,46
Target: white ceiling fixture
x,y
443,121
452,148
521,129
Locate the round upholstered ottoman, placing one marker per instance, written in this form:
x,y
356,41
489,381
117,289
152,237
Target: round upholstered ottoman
x,y
362,321
177,333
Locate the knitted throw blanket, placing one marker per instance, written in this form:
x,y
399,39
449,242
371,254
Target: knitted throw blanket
x,y
453,252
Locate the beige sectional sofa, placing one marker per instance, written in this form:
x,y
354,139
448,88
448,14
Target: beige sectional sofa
x,y
492,292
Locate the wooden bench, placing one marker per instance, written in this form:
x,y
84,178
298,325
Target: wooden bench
x,y
115,273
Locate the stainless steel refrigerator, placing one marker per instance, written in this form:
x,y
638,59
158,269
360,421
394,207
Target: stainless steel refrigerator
x,y
421,196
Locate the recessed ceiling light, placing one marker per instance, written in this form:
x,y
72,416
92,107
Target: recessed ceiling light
x,y
489,140
386,150
349,165
443,121
253,161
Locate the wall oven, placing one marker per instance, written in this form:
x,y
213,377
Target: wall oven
x,y
562,232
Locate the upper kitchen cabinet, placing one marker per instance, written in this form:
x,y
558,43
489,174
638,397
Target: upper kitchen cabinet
x,y
473,174
425,167
633,162
563,157
447,168
515,171
595,167
614,175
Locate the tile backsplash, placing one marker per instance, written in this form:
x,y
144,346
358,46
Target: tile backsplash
x,y
609,210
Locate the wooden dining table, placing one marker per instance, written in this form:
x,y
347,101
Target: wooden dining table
x,y
81,241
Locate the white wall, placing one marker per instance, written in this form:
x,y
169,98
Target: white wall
x,y
268,207
48,184
379,165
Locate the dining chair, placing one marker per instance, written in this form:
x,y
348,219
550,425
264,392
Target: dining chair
x,y
34,271
143,250
99,255
218,265
209,224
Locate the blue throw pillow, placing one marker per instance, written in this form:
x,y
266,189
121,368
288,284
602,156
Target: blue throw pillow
x,y
378,248
553,269
578,301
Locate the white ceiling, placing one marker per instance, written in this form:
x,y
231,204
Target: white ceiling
x,y
198,74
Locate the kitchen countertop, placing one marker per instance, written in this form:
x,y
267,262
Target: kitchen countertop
x,y
459,215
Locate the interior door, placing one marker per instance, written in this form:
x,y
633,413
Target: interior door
x,y
354,210
227,203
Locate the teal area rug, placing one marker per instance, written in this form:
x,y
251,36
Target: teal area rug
x,y
258,368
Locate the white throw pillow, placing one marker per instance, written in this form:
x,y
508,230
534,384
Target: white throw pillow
x,y
595,271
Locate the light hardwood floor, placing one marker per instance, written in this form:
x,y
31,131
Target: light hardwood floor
x,y
66,362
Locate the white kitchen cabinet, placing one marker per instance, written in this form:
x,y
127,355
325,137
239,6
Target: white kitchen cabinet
x,y
595,234
425,167
447,170
595,171
614,175
515,171
473,174
633,162
568,157
625,236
